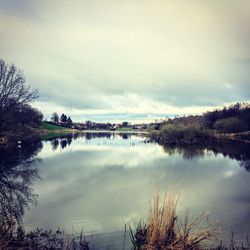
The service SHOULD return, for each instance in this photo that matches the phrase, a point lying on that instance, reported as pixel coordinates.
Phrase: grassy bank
(51, 127)
(178, 134)
(45, 131)
(50, 131)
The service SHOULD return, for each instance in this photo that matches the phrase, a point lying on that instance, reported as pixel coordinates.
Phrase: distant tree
(125, 124)
(89, 124)
(63, 118)
(237, 115)
(209, 118)
(55, 117)
(14, 93)
(69, 122)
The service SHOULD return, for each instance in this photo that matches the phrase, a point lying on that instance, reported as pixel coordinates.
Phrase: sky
(135, 60)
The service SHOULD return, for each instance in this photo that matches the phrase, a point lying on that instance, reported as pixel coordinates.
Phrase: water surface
(99, 182)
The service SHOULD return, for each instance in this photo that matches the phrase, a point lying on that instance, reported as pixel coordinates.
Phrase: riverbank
(43, 131)
(193, 135)
(170, 134)
(50, 131)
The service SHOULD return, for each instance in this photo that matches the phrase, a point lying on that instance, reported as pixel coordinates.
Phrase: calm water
(99, 182)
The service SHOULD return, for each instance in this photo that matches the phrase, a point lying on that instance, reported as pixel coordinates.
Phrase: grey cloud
(243, 61)
(83, 54)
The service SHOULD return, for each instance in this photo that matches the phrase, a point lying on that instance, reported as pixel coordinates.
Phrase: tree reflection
(63, 143)
(125, 136)
(54, 144)
(188, 152)
(18, 169)
(234, 150)
(65, 140)
(90, 136)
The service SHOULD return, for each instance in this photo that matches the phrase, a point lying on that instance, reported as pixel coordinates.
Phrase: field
(48, 126)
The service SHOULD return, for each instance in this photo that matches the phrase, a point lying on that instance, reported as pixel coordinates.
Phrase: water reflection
(189, 152)
(98, 181)
(234, 150)
(18, 170)
(54, 144)
(64, 141)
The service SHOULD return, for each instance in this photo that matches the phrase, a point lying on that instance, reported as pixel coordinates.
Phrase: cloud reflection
(98, 184)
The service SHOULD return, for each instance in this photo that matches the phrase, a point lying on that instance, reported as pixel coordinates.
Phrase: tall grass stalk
(164, 230)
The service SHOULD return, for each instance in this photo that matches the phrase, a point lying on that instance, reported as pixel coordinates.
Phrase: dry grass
(164, 230)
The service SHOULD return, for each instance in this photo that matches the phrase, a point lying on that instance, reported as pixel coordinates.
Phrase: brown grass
(164, 230)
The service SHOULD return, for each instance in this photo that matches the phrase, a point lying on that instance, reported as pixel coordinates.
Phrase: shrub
(179, 134)
(230, 125)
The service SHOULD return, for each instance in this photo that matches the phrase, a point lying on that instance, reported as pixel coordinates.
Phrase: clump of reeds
(164, 230)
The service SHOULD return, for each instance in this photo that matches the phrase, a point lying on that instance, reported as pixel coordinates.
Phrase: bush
(179, 134)
(230, 125)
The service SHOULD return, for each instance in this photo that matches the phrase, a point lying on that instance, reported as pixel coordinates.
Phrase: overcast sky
(129, 60)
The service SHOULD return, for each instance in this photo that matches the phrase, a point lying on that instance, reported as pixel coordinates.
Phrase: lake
(97, 182)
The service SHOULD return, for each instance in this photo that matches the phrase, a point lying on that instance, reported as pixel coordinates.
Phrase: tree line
(62, 120)
(232, 119)
(206, 128)
(235, 118)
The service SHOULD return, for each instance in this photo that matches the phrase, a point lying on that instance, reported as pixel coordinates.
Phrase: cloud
(132, 107)
(95, 55)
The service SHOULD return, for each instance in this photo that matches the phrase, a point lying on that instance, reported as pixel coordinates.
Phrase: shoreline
(43, 133)
(243, 137)
(115, 131)
(213, 138)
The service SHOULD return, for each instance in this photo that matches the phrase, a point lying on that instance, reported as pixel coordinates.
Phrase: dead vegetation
(165, 230)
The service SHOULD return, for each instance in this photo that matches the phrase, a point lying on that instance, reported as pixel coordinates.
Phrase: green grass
(52, 127)
(124, 129)
(50, 131)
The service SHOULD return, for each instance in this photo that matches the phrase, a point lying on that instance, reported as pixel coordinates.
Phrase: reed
(165, 230)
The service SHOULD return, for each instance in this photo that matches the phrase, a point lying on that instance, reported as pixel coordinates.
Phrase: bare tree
(13, 91)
